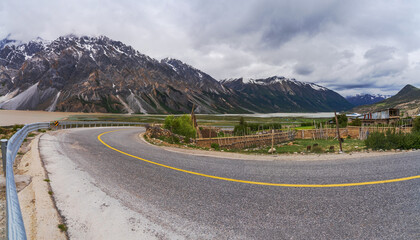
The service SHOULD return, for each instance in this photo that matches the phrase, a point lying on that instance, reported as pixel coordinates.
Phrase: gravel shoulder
(40, 216)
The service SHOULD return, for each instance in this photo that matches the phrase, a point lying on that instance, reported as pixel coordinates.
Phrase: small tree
(342, 120)
(241, 128)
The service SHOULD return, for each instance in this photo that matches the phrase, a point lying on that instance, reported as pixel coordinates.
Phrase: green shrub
(306, 124)
(180, 125)
(62, 227)
(244, 128)
(356, 122)
(215, 146)
(318, 149)
(392, 140)
(375, 140)
(416, 125)
(16, 127)
(173, 139)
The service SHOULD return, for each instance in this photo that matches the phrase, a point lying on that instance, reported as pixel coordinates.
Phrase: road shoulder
(40, 215)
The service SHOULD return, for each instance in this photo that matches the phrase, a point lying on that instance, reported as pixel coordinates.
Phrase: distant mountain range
(407, 100)
(366, 99)
(280, 94)
(97, 74)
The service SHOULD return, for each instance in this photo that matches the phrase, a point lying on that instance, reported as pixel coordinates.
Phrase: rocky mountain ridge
(287, 95)
(366, 99)
(407, 100)
(97, 74)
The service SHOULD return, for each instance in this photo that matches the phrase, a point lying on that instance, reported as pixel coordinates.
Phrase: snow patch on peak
(282, 80)
(317, 87)
(172, 66)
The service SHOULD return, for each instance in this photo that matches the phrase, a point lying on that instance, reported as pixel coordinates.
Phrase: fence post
(3, 154)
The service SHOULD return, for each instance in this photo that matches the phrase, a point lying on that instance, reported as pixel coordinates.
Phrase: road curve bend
(175, 195)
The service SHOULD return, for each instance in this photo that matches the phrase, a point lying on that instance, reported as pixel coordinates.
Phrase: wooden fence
(284, 136)
(353, 132)
(247, 141)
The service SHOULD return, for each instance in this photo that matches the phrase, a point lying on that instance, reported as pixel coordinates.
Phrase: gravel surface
(192, 206)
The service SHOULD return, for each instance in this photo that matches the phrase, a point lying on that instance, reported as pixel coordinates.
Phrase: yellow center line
(257, 183)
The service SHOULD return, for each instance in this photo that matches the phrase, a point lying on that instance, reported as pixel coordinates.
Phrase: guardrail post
(3, 154)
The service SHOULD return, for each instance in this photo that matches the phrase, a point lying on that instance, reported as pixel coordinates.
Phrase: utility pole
(338, 131)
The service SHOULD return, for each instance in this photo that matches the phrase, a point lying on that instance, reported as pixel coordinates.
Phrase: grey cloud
(303, 69)
(380, 53)
(366, 44)
(366, 85)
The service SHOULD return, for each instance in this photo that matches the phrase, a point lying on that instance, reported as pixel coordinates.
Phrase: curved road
(195, 206)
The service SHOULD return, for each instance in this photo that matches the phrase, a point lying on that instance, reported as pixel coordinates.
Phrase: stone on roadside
(272, 150)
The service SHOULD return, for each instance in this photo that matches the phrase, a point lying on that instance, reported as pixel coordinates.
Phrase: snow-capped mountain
(97, 74)
(286, 95)
(366, 99)
(407, 100)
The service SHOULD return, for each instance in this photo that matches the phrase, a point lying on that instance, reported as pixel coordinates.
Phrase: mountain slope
(97, 74)
(366, 99)
(102, 75)
(407, 99)
(286, 95)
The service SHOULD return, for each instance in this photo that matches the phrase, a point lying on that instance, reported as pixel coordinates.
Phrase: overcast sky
(348, 46)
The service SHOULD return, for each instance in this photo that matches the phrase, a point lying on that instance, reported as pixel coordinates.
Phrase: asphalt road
(196, 206)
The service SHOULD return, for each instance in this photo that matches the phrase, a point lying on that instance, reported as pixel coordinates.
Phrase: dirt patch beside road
(38, 209)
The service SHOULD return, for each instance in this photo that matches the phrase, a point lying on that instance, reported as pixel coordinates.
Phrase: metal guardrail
(79, 124)
(15, 229)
